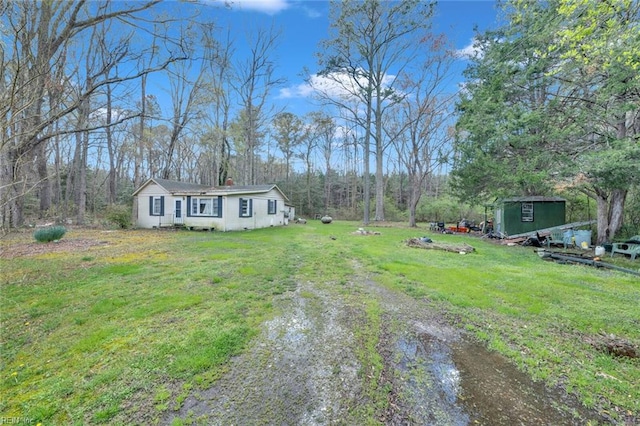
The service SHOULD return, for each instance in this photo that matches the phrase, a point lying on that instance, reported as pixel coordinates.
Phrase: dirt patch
(303, 369)
(300, 370)
(613, 345)
(30, 249)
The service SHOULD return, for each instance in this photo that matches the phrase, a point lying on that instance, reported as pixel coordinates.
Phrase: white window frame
(272, 206)
(204, 206)
(245, 207)
(157, 206)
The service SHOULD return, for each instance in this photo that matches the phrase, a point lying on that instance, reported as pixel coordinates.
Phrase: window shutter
(188, 206)
(150, 206)
(240, 211)
(162, 205)
(250, 207)
(219, 205)
(275, 206)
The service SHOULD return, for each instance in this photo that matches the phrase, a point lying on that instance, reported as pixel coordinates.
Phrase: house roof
(175, 187)
(244, 189)
(534, 198)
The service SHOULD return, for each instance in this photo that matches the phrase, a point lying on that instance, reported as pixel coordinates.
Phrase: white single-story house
(164, 203)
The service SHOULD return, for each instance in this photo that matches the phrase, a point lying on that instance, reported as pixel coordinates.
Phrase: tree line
(550, 104)
(81, 126)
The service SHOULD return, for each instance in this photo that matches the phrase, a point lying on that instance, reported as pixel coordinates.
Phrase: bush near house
(51, 233)
(119, 215)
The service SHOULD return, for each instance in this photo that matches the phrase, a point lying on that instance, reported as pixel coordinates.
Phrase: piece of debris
(571, 258)
(362, 231)
(613, 345)
(453, 248)
(326, 219)
(301, 220)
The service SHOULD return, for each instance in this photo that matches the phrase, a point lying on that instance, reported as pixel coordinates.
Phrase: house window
(156, 206)
(246, 207)
(207, 207)
(273, 206)
(526, 212)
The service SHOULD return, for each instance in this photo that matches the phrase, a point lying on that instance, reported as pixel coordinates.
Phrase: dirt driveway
(304, 369)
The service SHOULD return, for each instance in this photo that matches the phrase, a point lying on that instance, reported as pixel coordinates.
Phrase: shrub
(51, 233)
(119, 215)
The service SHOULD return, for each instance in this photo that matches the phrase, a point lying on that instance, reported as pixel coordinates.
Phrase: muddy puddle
(462, 383)
(441, 377)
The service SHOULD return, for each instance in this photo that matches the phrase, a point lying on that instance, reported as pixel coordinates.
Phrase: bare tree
(43, 33)
(420, 128)
(373, 39)
(220, 74)
(323, 133)
(255, 81)
(186, 94)
(289, 131)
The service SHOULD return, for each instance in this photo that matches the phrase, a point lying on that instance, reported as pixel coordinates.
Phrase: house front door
(178, 213)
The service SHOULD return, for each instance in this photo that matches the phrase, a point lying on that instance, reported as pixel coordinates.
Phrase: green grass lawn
(135, 323)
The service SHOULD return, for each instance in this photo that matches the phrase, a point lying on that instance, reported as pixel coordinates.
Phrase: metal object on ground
(544, 254)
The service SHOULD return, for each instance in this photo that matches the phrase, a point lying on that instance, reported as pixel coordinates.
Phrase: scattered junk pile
(568, 238)
(464, 226)
(547, 241)
(578, 258)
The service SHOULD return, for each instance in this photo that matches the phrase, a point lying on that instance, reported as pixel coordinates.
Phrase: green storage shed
(519, 215)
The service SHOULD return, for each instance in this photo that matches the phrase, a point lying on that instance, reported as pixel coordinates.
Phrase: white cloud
(117, 114)
(337, 85)
(302, 90)
(310, 11)
(270, 7)
(471, 50)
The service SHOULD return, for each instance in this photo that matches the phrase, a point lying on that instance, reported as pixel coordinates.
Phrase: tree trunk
(137, 176)
(415, 194)
(11, 198)
(111, 187)
(225, 148)
(379, 160)
(43, 180)
(610, 214)
(616, 212)
(80, 189)
(367, 173)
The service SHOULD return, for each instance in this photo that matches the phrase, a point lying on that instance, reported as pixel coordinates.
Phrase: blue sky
(304, 23)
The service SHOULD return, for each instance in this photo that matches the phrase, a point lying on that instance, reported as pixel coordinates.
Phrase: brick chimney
(229, 182)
